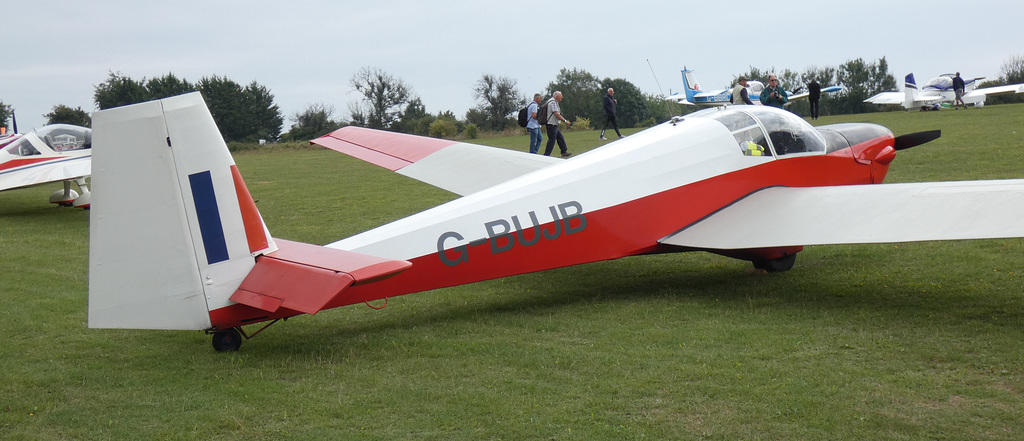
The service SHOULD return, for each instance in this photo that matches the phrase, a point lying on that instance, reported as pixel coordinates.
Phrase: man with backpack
(533, 126)
(554, 118)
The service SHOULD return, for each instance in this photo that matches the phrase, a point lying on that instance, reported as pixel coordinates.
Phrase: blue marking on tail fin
(908, 81)
(209, 217)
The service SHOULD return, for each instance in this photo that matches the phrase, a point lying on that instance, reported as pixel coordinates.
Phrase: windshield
(787, 133)
(21, 147)
(65, 137)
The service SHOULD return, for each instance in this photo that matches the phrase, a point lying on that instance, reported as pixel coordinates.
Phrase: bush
(581, 124)
(444, 128)
(472, 131)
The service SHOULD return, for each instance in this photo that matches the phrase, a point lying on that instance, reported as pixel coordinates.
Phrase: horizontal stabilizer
(458, 167)
(305, 278)
(880, 213)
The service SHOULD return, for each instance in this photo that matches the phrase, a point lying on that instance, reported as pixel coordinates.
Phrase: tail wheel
(784, 263)
(227, 341)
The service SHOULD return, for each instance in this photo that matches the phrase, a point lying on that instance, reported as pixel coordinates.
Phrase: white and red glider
(57, 152)
(754, 183)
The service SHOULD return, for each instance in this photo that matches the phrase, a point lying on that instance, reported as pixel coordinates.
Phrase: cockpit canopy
(57, 137)
(941, 83)
(758, 129)
(64, 137)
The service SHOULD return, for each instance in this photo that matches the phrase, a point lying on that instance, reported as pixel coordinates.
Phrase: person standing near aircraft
(609, 112)
(533, 126)
(554, 118)
(773, 95)
(813, 96)
(958, 89)
(739, 93)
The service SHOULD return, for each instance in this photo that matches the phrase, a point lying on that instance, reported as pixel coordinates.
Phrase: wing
(829, 89)
(887, 98)
(458, 167)
(881, 213)
(996, 90)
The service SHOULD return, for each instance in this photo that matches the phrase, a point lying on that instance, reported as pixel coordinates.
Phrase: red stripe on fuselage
(627, 229)
(15, 163)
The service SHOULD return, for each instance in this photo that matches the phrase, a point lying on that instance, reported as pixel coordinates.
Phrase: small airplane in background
(694, 95)
(939, 90)
(750, 182)
(57, 152)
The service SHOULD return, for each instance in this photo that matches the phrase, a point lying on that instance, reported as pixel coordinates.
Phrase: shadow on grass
(843, 288)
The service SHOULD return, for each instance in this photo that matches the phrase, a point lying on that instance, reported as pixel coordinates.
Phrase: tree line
(248, 113)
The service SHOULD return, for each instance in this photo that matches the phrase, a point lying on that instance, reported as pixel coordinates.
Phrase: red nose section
(885, 155)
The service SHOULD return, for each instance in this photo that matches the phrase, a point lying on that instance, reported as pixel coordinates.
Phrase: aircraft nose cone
(885, 155)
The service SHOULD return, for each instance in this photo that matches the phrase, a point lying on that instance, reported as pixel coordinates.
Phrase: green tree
(5, 113)
(862, 80)
(384, 98)
(581, 91)
(242, 114)
(415, 118)
(317, 120)
(264, 116)
(498, 98)
(120, 90)
(168, 86)
(62, 114)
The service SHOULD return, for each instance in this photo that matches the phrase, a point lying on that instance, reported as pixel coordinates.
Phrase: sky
(307, 51)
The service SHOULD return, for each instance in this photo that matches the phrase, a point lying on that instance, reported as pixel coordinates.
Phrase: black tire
(784, 263)
(227, 341)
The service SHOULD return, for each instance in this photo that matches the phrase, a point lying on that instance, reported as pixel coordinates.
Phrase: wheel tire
(784, 263)
(227, 341)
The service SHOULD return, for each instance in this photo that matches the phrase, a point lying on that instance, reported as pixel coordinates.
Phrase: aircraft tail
(173, 229)
(176, 241)
(690, 84)
(910, 91)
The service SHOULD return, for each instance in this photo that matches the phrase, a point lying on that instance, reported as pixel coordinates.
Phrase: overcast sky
(306, 51)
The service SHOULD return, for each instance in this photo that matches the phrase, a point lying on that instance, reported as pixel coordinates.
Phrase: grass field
(910, 341)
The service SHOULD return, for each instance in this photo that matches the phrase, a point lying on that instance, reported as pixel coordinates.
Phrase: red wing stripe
(374, 157)
(380, 147)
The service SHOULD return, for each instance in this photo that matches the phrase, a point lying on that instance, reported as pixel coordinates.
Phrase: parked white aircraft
(940, 90)
(57, 152)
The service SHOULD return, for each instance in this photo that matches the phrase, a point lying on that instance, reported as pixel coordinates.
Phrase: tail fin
(690, 84)
(910, 91)
(173, 229)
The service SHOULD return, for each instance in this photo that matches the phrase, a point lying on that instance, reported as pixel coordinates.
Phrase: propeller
(909, 140)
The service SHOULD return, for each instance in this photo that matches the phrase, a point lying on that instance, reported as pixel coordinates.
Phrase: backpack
(524, 115)
(542, 112)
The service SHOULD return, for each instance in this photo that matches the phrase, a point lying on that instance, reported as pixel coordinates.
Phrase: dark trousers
(555, 135)
(615, 125)
(814, 109)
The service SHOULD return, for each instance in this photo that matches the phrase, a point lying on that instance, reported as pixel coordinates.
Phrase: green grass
(890, 341)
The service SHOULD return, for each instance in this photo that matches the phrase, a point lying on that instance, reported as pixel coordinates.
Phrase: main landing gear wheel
(784, 263)
(227, 341)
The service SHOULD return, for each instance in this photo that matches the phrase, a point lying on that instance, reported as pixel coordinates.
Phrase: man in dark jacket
(609, 112)
(814, 95)
(958, 90)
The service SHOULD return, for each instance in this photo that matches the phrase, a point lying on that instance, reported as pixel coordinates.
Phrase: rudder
(173, 230)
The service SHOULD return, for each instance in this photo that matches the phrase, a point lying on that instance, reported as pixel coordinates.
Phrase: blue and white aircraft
(940, 90)
(694, 95)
